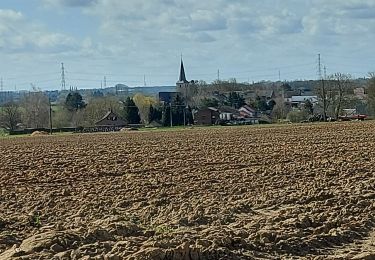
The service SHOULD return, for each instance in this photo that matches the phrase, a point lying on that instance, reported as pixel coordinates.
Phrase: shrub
(297, 116)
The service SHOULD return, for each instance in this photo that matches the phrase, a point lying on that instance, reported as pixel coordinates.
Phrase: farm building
(206, 116)
(247, 111)
(296, 101)
(111, 119)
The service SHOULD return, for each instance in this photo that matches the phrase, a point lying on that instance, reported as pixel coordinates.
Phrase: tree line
(34, 110)
(334, 93)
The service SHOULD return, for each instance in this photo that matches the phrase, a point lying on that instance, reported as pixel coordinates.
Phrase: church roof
(182, 78)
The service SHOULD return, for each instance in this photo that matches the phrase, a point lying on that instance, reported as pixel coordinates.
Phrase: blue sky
(125, 40)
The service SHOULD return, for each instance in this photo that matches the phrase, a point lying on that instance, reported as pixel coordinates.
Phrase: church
(186, 89)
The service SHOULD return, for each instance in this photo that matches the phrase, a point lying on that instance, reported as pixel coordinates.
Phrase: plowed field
(298, 191)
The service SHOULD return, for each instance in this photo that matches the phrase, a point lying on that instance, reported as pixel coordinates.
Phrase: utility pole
(1, 84)
(323, 90)
(50, 116)
(184, 116)
(144, 80)
(62, 77)
(170, 114)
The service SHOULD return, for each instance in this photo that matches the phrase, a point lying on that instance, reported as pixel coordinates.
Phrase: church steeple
(182, 78)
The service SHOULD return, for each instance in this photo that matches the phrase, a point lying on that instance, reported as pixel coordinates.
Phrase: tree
(166, 115)
(74, 101)
(154, 113)
(62, 117)
(286, 87)
(189, 115)
(260, 104)
(297, 116)
(270, 104)
(321, 90)
(236, 100)
(35, 107)
(210, 102)
(144, 103)
(10, 115)
(280, 109)
(309, 107)
(97, 107)
(131, 112)
(178, 110)
(371, 94)
(339, 85)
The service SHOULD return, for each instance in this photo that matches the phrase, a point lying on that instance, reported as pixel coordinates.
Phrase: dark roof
(265, 93)
(290, 93)
(228, 109)
(182, 77)
(110, 119)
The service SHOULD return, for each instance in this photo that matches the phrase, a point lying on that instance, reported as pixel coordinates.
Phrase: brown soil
(300, 191)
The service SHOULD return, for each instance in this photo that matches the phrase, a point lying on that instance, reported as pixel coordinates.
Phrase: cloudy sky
(126, 39)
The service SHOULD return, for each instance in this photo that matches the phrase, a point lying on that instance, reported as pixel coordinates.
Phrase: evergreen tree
(154, 113)
(189, 116)
(271, 104)
(165, 119)
(178, 107)
(131, 112)
(74, 101)
(236, 100)
(260, 104)
(210, 102)
(151, 114)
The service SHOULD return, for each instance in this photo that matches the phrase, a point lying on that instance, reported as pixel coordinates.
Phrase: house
(206, 116)
(296, 101)
(247, 112)
(111, 119)
(265, 94)
(360, 93)
(228, 113)
(290, 93)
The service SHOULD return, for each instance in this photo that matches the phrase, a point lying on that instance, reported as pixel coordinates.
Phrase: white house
(298, 100)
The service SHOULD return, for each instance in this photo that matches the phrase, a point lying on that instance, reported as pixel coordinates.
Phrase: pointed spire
(182, 78)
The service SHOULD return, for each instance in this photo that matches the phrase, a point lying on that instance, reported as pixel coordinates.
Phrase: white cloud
(18, 34)
(205, 20)
(340, 18)
(136, 36)
(70, 3)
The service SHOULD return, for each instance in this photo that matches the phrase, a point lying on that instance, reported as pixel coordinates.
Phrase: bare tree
(340, 85)
(371, 93)
(10, 115)
(99, 106)
(322, 93)
(280, 110)
(35, 109)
